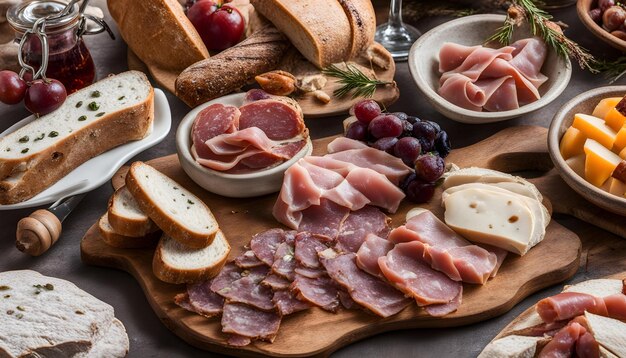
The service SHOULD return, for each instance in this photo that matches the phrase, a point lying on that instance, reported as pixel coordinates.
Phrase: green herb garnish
(53, 134)
(41, 136)
(24, 151)
(353, 80)
(24, 139)
(82, 118)
(7, 296)
(4, 288)
(121, 98)
(79, 312)
(94, 106)
(19, 316)
(95, 94)
(20, 308)
(100, 114)
(80, 103)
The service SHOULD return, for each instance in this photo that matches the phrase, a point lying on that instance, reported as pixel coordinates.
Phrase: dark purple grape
(429, 167)
(442, 144)
(357, 131)
(407, 129)
(424, 130)
(436, 125)
(596, 15)
(605, 4)
(366, 110)
(404, 184)
(427, 145)
(44, 97)
(408, 149)
(401, 115)
(385, 125)
(386, 144)
(419, 191)
(412, 119)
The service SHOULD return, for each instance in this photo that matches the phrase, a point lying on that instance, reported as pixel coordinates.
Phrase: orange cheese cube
(599, 163)
(622, 154)
(572, 143)
(605, 106)
(614, 119)
(617, 187)
(620, 140)
(577, 164)
(595, 128)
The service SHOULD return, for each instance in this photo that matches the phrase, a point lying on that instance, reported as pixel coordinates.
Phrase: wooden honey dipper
(41, 229)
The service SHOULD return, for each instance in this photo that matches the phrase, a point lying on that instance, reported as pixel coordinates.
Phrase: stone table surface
(150, 338)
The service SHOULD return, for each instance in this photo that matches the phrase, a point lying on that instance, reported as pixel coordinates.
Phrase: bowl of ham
(240, 145)
(470, 83)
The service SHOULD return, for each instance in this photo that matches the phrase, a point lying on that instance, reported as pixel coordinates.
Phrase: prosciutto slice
(377, 160)
(247, 321)
(567, 305)
(340, 144)
(212, 121)
(368, 291)
(479, 78)
(564, 342)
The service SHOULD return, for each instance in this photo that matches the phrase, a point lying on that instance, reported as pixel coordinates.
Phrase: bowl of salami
(240, 145)
(474, 83)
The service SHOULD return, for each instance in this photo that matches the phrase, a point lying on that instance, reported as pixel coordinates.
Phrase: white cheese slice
(482, 175)
(609, 333)
(494, 218)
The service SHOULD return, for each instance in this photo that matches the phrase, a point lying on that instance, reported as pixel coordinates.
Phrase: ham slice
(358, 225)
(248, 260)
(564, 342)
(307, 247)
(444, 309)
(406, 269)
(248, 289)
(567, 305)
(340, 144)
(377, 160)
(284, 261)
(247, 321)
(368, 291)
(319, 291)
(370, 251)
(324, 219)
(264, 244)
(204, 301)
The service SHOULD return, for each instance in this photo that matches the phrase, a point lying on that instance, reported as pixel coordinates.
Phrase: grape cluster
(611, 16)
(419, 143)
(40, 96)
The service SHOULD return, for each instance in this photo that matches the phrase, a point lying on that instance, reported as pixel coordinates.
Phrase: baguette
(114, 239)
(159, 32)
(126, 218)
(176, 210)
(39, 154)
(232, 68)
(176, 263)
(320, 30)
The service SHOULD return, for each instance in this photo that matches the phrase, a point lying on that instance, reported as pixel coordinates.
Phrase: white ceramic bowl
(231, 185)
(583, 103)
(471, 31)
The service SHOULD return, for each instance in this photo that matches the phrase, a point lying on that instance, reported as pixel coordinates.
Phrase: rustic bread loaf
(232, 68)
(320, 30)
(112, 238)
(126, 218)
(111, 112)
(362, 19)
(174, 262)
(50, 317)
(176, 210)
(159, 32)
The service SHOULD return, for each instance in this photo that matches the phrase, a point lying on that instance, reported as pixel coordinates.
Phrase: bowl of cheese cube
(587, 144)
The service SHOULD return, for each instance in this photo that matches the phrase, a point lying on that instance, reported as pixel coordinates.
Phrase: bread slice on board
(176, 210)
(320, 29)
(111, 343)
(112, 238)
(50, 317)
(362, 19)
(125, 216)
(174, 262)
(111, 112)
(159, 32)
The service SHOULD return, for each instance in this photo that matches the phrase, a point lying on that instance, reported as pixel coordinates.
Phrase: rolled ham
(567, 305)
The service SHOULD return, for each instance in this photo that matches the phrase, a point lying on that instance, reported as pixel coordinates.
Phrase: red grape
(224, 28)
(366, 110)
(613, 18)
(596, 15)
(12, 87)
(407, 128)
(419, 191)
(408, 149)
(605, 4)
(424, 130)
(386, 144)
(357, 131)
(385, 125)
(199, 13)
(42, 98)
(429, 167)
(404, 184)
(442, 144)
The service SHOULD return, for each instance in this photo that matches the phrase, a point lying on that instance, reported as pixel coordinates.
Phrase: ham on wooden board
(260, 134)
(480, 78)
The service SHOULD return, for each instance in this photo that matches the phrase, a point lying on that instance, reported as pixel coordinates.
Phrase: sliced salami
(278, 119)
(250, 322)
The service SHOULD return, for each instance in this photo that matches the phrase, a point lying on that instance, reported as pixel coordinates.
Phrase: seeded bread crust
(114, 239)
(127, 226)
(170, 274)
(46, 167)
(139, 187)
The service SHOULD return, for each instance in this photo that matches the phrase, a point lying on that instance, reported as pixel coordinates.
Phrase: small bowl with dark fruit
(606, 19)
(472, 82)
(421, 144)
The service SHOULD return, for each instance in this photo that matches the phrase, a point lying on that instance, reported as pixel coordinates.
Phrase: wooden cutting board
(554, 260)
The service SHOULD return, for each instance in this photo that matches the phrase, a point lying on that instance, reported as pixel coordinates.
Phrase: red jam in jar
(69, 60)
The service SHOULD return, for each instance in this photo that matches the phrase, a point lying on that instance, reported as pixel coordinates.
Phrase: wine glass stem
(395, 13)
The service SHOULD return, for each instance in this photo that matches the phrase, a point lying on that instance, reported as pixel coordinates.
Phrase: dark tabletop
(150, 338)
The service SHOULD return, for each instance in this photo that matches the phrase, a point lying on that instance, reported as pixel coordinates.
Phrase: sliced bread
(174, 262)
(608, 332)
(111, 112)
(125, 216)
(112, 238)
(109, 344)
(176, 210)
(362, 19)
(50, 317)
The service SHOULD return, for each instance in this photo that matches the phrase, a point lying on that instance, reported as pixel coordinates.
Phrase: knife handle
(37, 232)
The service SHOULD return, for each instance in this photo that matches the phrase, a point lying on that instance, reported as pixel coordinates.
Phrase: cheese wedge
(595, 128)
(572, 143)
(620, 140)
(622, 154)
(482, 175)
(577, 164)
(608, 332)
(487, 217)
(605, 106)
(599, 163)
(617, 187)
(614, 119)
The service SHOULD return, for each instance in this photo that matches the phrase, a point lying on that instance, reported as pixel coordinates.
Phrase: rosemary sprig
(613, 70)
(353, 80)
(541, 24)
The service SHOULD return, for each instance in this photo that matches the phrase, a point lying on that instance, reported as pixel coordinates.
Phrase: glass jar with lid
(63, 25)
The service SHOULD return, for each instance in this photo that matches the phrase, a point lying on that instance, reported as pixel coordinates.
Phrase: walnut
(378, 56)
(279, 83)
(321, 96)
(312, 83)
